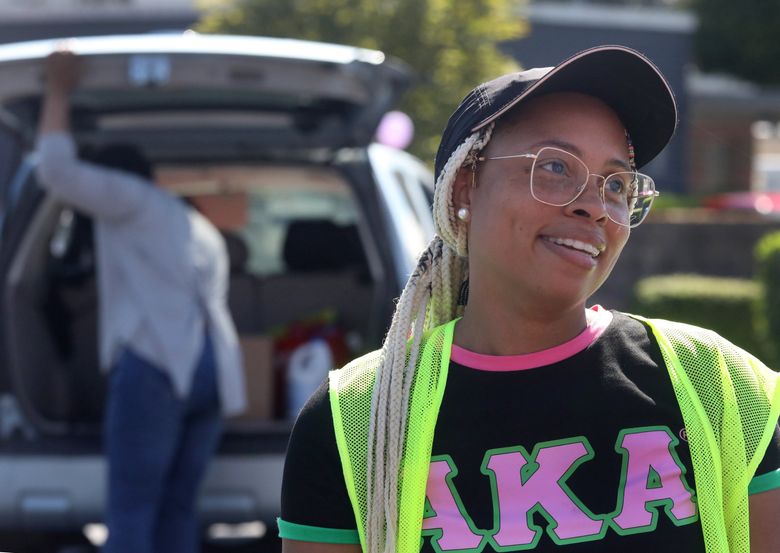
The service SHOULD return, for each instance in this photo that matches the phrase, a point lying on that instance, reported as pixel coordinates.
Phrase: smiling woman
(503, 413)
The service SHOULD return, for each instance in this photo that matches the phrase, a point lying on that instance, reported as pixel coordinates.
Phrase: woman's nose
(590, 203)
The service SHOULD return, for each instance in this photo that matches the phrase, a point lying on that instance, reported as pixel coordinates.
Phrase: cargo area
(305, 291)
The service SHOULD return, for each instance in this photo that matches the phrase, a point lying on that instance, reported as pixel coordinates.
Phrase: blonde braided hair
(429, 299)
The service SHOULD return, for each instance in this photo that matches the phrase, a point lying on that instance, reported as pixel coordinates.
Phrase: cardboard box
(258, 369)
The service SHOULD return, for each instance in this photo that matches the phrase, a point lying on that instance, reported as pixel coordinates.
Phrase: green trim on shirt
(301, 532)
(765, 482)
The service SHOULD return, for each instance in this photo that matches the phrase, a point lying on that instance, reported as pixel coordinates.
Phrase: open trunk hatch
(276, 92)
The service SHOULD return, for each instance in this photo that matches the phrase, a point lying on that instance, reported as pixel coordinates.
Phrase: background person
(533, 422)
(165, 331)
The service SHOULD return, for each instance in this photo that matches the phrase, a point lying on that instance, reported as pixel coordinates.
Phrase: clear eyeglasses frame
(559, 177)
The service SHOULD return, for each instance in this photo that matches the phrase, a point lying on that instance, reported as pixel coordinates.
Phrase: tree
(451, 45)
(740, 38)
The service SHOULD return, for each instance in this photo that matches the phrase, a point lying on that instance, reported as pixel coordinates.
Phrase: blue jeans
(158, 447)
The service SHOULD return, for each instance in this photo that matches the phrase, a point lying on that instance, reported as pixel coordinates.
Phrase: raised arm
(63, 72)
(96, 190)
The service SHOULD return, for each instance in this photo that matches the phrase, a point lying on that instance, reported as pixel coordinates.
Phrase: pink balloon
(395, 130)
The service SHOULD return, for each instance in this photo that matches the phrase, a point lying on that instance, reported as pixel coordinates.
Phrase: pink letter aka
(544, 487)
(644, 451)
(456, 533)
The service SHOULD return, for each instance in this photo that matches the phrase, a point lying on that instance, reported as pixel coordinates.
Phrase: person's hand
(62, 74)
(63, 70)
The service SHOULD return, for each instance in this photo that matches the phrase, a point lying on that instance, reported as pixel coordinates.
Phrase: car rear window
(262, 206)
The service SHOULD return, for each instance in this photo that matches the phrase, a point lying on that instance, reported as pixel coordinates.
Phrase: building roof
(626, 17)
(729, 96)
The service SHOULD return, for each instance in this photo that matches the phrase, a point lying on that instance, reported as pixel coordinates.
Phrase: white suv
(272, 139)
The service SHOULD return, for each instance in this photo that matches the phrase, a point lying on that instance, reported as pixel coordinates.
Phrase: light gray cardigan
(162, 270)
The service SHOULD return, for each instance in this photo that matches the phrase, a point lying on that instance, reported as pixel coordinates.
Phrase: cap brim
(626, 81)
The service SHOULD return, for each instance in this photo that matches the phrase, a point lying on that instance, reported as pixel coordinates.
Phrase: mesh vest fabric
(350, 398)
(729, 401)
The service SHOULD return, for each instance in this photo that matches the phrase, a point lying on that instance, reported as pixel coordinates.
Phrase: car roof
(284, 92)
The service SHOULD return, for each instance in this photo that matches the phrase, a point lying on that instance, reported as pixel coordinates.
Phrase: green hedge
(767, 254)
(725, 305)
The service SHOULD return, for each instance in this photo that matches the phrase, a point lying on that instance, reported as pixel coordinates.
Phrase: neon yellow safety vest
(729, 401)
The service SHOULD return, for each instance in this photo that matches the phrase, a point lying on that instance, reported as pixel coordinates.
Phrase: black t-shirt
(589, 452)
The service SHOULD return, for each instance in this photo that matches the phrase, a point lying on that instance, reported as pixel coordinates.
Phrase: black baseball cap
(624, 79)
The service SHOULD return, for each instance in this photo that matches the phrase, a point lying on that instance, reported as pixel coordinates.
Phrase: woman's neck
(506, 329)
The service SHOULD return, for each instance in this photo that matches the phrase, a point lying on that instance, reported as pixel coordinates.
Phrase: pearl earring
(464, 214)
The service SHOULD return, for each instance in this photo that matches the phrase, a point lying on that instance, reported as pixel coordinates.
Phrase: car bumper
(63, 493)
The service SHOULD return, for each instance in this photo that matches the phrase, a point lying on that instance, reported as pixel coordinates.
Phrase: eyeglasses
(559, 177)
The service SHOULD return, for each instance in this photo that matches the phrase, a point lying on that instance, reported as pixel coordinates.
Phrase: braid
(389, 401)
(429, 299)
(453, 233)
(631, 154)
